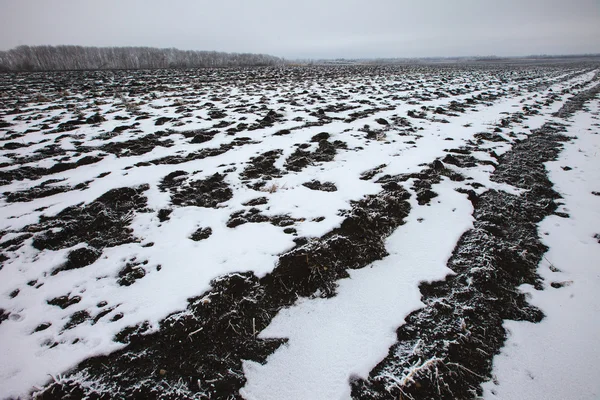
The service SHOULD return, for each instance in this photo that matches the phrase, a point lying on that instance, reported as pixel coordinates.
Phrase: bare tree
(61, 58)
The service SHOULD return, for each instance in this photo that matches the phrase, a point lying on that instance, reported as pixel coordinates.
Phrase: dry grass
(271, 188)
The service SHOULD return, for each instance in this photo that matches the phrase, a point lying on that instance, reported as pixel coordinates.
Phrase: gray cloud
(311, 28)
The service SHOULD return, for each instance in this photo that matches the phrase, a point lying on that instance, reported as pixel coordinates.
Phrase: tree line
(63, 58)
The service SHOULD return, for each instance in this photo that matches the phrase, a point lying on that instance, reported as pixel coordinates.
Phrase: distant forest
(62, 58)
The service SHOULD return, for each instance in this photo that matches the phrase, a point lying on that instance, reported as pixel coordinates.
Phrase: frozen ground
(557, 357)
(266, 233)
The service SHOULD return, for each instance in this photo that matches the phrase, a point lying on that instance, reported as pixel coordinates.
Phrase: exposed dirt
(200, 136)
(209, 192)
(196, 155)
(79, 258)
(365, 176)
(136, 147)
(256, 202)
(15, 243)
(262, 166)
(32, 173)
(3, 315)
(254, 215)
(131, 273)
(445, 349)
(576, 102)
(423, 180)
(365, 113)
(64, 301)
(325, 152)
(198, 353)
(323, 186)
(45, 189)
(102, 223)
(201, 234)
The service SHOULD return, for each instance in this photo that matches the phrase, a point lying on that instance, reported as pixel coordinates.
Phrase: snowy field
(313, 233)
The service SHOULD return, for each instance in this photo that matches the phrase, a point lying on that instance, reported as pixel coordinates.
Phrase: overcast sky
(311, 28)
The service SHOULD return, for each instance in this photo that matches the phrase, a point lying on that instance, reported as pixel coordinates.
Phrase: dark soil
(131, 273)
(200, 136)
(43, 326)
(162, 120)
(424, 180)
(198, 352)
(365, 176)
(201, 234)
(79, 258)
(366, 113)
(209, 192)
(465, 161)
(576, 102)
(489, 136)
(136, 147)
(15, 243)
(36, 192)
(3, 315)
(267, 121)
(64, 301)
(319, 136)
(254, 215)
(32, 173)
(78, 317)
(164, 214)
(325, 152)
(197, 155)
(460, 328)
(256, 202)
(323, 186)
(102, 223)
(262, 166)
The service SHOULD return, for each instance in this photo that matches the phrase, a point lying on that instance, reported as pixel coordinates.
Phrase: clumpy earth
(93, 169)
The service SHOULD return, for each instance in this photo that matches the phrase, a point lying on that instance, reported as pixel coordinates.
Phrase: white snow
(329, 340)
(332, 340)
(558, 357)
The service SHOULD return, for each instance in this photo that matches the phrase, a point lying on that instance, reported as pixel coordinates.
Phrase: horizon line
(334, 58)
